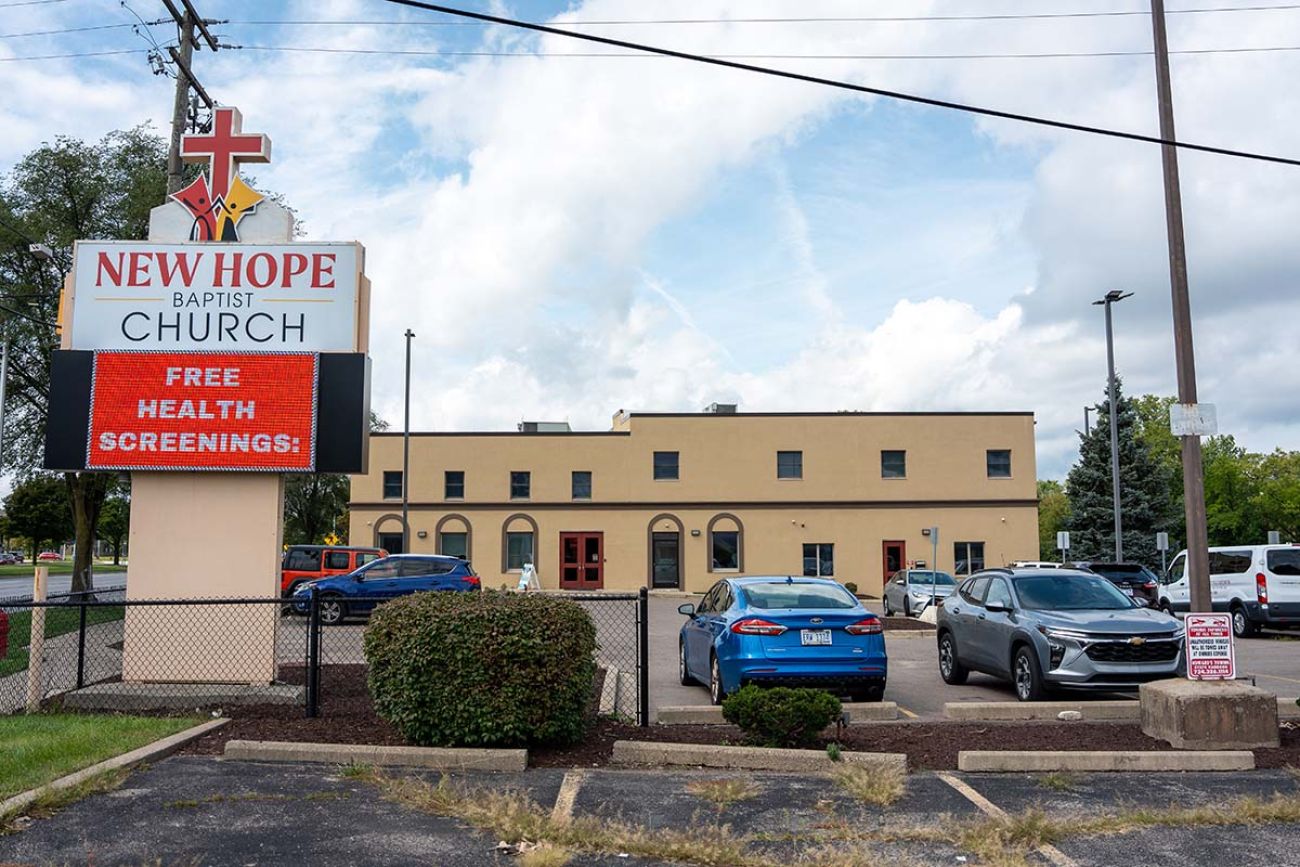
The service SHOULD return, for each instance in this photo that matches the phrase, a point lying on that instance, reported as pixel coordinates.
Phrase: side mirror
(996, 606)
(686, 610)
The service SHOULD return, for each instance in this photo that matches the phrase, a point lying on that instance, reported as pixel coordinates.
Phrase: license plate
(814, 636)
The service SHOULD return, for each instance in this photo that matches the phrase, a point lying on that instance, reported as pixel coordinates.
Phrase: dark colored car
(1133, 579)
(378, 581)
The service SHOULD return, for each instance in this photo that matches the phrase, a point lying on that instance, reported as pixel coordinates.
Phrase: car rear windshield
(940, 579)
(1283, 562)
(1070, 593)
(797, 596)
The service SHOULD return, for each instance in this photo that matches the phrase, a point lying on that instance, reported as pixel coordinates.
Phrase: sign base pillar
(203, 536)
(1209, 714)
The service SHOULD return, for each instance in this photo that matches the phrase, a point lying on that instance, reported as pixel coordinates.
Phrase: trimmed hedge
(780, 716)
(482, 669)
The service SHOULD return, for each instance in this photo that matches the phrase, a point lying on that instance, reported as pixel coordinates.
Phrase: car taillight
(471, 579)
(869, 626)
(1150, 585)
(1261, 588)
(755, 626)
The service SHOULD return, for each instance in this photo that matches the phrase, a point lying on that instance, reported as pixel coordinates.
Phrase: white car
(1259, 585)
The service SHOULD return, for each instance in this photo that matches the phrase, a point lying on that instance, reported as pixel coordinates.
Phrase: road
(21, 585)
(1273, 659)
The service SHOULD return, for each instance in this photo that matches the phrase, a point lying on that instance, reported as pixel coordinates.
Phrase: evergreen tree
(1144, 492)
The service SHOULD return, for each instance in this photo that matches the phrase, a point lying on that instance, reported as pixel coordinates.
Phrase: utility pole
(406, 449)
(1111, 297)
(1198, 551)
(187, 21)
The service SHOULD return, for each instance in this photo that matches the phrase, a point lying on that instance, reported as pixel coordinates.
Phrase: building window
(789, 465)
(666, 465)
(521, 483)
(818, 559)
(726, 550)
(999, 463)
(893, 464)
(968, 557)
(519, 550)
(454, 545)
(582, 484)
(392, 484)
(453, 485)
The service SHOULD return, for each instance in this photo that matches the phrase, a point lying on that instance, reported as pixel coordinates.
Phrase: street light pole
(1198, 551)
(1111, 297)
(406, 450)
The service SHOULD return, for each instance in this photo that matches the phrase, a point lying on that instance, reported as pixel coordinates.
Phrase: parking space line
(567, 796)
(1274, 677)
(1051, 853)
(907, 713)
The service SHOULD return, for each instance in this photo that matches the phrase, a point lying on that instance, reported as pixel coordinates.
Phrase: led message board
(202, 411)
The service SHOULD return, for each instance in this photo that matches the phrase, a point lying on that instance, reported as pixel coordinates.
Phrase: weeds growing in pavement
(356, 771)
(723, 793)
(545, 857)
(1058, 782)
(833, 752)
(879, 787)
(51, 801)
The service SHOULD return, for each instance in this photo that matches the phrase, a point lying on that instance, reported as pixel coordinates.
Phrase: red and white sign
(1210, 654)
(203, 411)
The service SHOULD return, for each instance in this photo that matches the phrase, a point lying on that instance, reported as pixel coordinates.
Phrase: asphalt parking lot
(195, 810)
(1273, 659)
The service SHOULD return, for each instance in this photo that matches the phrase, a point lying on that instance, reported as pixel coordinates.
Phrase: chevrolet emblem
(1137, 642)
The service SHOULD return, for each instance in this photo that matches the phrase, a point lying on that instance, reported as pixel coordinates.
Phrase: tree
(55, 195)
(38, 509)
(115, 523)
(1144, 491)
(1152, 413)
(317, 503)
(1053, 510)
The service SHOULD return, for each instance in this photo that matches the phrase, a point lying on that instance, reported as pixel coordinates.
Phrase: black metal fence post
(81, 645)
(313, 655)
(643, 656)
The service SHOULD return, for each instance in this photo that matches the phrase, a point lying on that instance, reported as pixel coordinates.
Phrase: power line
(77, 54)
(1037, 120)
(643, 55)
(30, 3)
(67, 30)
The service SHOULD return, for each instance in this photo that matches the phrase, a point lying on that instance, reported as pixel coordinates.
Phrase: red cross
(224, 147)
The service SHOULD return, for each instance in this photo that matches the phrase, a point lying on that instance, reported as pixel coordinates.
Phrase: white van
(1258, 584)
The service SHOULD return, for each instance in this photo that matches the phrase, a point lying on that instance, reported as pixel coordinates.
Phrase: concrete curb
(711, 715)
(159, 749)
(746, 758)
(435, 758)
(1287, 708)
(1119, 760)
(1118, 711)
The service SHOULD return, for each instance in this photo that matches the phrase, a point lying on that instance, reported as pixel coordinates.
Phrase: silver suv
(1046, 628)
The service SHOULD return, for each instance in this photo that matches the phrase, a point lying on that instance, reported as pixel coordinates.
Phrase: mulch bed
(905, 624)
(347, 717)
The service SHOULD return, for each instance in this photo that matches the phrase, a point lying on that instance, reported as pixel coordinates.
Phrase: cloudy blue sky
(573, 235)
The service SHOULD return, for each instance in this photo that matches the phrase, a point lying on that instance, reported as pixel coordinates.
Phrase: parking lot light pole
(1111, 297)
(406, 450)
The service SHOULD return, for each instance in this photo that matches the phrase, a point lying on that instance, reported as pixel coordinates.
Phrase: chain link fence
(101, 650)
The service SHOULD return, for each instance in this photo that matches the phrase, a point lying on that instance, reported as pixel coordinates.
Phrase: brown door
(895, 557)
(582, 561)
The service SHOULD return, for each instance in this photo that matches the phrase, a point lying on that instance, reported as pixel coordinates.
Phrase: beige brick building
(675, 500)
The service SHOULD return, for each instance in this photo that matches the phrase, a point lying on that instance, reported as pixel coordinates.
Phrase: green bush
(851, 587)
(781, 717)
(482, 669)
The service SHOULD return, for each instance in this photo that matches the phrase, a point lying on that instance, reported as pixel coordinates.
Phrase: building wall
(727, 466)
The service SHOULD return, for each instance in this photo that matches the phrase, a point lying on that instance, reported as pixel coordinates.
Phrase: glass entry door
(582, 561)
(666, 560)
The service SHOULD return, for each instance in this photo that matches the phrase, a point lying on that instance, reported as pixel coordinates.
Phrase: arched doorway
(665, 547)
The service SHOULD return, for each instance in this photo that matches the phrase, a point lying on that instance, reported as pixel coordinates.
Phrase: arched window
(389, 535)
(519, 542)
(726, 548)
(664, 547)
(454, 536)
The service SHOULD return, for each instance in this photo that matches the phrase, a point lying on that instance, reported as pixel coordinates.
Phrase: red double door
(582, 561)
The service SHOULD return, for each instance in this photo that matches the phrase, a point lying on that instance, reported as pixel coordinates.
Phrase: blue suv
(387, 578)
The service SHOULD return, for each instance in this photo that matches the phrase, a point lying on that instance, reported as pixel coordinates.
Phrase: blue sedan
(383, 579)
(782, 631)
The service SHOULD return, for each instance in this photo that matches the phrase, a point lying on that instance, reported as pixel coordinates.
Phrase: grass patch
(42, 747)
(58, 621)
(357, 771)
(1059, 782)
(723, 793)
(56, 567)
(877, 787)
(544, 857)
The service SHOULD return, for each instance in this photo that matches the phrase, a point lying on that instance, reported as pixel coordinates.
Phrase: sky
(572, 235)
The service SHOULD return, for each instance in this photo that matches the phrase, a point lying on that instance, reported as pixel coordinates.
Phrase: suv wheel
(1027, 675)
(332, 610)
(950, 667)
(1242, 627)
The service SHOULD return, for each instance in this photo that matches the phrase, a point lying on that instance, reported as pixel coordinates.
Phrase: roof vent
(721, 409)
(544, 427)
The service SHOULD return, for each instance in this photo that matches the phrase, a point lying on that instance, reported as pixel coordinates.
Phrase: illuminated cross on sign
(224, 147)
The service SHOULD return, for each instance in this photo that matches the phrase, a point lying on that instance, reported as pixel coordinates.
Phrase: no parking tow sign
(1210, 653)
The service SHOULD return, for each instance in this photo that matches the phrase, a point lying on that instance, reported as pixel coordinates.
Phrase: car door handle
(983, 617)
